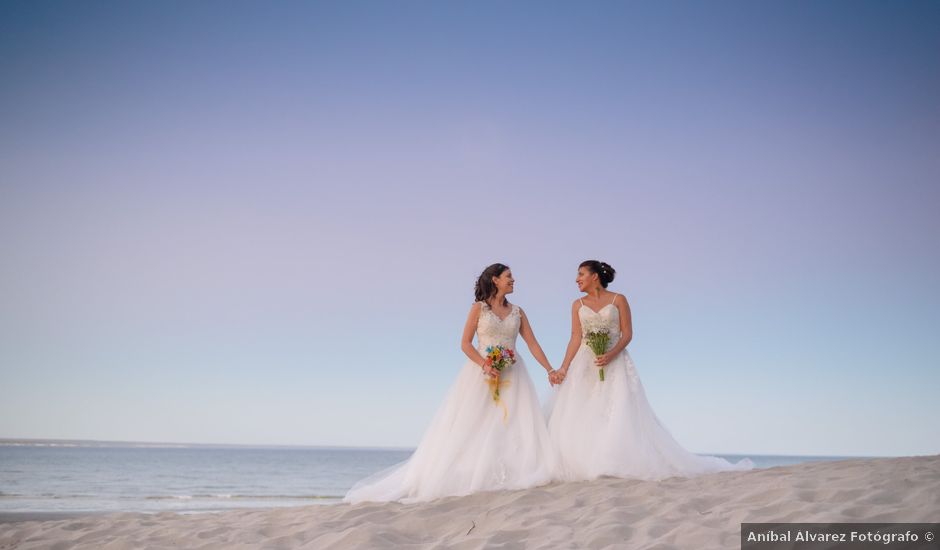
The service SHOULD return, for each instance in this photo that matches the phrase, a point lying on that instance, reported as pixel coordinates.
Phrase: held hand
(553, 377)
(488, 368)
(604, 359)
(559, 377)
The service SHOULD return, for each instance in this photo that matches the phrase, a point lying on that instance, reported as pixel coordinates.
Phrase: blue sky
(236, 222)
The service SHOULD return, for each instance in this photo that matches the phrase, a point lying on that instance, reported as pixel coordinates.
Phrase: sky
(260, 223)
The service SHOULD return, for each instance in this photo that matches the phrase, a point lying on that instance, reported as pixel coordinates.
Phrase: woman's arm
(466, 342)
(626, 331)
(575, 342)
(525, 330)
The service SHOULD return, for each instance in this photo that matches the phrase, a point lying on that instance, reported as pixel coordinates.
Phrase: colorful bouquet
(599, 341)
(500, 358)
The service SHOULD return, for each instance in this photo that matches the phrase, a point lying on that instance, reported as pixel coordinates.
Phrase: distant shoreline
(73, 443)
(24, 442)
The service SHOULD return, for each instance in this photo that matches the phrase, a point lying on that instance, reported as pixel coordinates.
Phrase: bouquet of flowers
(599, 341)
(500, 357)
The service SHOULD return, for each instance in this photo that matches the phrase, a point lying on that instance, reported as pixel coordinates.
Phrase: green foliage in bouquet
(599, 342)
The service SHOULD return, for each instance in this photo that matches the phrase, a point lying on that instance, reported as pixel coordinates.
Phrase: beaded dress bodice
(493, 331)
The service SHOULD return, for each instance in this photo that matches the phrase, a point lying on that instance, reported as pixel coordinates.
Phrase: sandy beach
(702, 512)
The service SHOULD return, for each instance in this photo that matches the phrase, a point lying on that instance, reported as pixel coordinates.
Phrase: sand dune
(697, 513)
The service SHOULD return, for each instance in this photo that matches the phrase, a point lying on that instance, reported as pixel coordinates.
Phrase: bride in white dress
(607, 427)
(478, 441)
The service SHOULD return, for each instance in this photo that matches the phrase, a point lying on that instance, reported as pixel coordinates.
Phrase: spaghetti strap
(582, 301)
(615, 298)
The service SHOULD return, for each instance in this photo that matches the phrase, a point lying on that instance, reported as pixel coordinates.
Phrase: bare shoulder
(576, 303)
(475, 308)
(620, 299)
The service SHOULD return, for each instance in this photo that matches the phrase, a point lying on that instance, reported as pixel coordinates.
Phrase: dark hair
(604, 271)
(485, 289)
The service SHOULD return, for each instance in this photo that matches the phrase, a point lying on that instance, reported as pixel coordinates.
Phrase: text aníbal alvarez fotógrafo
(806, 535)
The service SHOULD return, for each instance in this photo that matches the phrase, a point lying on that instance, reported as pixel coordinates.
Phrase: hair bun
(603, 270)
(607, 274)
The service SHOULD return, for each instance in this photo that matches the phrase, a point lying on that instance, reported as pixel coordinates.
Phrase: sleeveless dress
(474, 443)
(608, 427)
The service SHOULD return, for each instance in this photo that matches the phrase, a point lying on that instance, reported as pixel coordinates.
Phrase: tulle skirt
(608, 427)
(473, 443)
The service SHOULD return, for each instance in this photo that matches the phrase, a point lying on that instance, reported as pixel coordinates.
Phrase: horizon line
(28, 441)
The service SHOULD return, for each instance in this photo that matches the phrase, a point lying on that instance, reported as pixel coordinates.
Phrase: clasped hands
(556, 377)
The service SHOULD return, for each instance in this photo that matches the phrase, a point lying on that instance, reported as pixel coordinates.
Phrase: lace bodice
(608, 317)
(493, 331)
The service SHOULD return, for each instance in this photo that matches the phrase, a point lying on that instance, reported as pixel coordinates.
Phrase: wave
(46, 496)
(243, 497)
(96, 445)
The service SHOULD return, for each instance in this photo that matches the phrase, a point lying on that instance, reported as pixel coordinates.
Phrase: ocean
(75, 477)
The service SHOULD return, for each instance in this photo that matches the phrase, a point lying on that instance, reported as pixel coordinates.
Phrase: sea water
(101, 477)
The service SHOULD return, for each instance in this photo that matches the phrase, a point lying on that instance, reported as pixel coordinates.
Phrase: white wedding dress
(608, 427)
(474, 443)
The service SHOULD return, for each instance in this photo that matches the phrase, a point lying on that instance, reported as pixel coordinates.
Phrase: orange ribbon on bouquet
(499, 357)
(496, 382)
